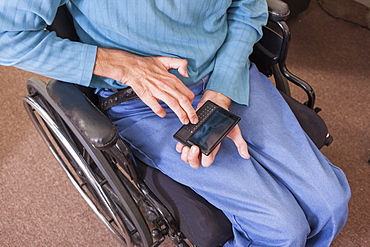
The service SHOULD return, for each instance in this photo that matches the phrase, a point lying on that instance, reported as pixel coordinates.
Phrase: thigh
(277, 142)
(244, 190)
(286, 172)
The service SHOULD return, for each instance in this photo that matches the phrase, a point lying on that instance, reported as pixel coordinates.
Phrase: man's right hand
(150, 79)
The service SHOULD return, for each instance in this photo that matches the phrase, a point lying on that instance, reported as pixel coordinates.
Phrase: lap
(286, 172)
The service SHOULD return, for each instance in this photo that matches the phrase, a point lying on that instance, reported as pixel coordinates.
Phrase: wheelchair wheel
(90, 170)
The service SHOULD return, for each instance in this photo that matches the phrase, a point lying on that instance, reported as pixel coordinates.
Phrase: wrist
(111, 63)
(100, 60)
(216, 97)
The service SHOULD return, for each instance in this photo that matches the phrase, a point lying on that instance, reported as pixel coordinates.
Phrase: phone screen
(214, 124)
(211, 131)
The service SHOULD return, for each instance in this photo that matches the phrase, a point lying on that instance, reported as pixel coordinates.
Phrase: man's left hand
(193, 156)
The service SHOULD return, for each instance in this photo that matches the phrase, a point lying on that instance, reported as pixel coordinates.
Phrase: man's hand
(150, 79)
(193, 155)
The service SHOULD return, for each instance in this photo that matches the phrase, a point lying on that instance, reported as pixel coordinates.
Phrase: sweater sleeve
(26, 44)
(231, 73)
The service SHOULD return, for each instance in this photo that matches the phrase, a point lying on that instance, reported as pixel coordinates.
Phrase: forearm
(43, 53)
(26, 44)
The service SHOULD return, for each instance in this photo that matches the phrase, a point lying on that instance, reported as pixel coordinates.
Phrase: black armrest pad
(84, 115)
(278, 10)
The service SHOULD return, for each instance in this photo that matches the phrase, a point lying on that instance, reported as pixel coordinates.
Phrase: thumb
(236, 136)
(175, 63)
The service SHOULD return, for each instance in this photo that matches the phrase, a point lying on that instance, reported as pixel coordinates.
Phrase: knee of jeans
(336, 207)
(291, 230)
(284, 228)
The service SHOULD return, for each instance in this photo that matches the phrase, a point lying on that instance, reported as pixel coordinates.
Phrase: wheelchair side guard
(94, 125)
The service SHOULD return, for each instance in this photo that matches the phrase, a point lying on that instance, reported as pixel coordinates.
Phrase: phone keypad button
(205, 112)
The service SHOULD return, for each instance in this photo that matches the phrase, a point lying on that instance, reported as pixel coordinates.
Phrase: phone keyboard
(203, 114)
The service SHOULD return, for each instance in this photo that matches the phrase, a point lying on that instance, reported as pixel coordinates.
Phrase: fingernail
(185, 121)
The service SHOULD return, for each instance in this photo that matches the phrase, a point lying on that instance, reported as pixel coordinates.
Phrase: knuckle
(194, 163)
(172, 102)
(161, 84)
(146, 94)
(191, 95)
(183, 158)
(194, 115)
(182, 61)
(183, 99)
(182, 116)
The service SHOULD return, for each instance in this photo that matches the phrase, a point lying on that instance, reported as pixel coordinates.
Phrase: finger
(200, 104)
(179, 103)
(154, 91)
(178, 109)
(175, 63)
(179, 147)
(185, 154)
(160, 85)
(184, 110)
(236, 136)
(182, 96)
(207, 161)
(187, 107)
(194, 157)
(148, 98)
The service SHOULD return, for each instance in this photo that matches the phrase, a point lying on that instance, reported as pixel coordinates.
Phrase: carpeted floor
(39, 206)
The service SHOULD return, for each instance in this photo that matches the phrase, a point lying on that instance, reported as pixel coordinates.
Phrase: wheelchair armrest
(83, 114)
(278, 10)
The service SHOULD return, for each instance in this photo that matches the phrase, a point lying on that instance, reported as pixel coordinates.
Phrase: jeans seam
(243, 230)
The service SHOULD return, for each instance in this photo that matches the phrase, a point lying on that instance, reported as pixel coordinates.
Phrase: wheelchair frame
(113, 186)
(100, 165)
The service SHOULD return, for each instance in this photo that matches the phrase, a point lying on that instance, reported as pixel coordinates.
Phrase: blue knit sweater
(213, 35)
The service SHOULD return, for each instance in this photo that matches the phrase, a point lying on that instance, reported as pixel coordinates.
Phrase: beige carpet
(39, 206)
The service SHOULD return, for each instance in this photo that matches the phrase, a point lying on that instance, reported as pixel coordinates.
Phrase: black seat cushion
(203, 224)
(310, 121)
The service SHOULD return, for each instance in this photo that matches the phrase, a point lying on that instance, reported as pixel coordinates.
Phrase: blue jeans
(286, 194)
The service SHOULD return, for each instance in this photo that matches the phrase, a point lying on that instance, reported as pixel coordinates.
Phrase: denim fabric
(286, 194)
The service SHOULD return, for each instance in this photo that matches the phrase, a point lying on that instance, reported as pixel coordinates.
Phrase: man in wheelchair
(268, 177)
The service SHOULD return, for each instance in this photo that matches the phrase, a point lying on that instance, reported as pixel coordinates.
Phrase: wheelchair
(138, 204)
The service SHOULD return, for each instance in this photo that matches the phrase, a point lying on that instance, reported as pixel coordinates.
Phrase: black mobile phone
(214, 124)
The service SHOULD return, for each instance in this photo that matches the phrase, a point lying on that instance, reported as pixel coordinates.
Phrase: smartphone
(214, 124)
